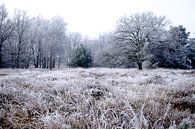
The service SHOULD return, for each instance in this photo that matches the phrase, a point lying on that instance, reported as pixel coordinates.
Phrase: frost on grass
(97, 98)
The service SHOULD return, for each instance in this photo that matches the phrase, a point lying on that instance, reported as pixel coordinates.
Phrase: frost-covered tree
(19, 42)
(105, 57)
(48, 42)
(177, 54)
(75, 41)
(37, 38)
(135, 32)
(106, 54)
(6, 29)
(103, 51)
(191, 50)
(56, 41)
(172, 52)
(82, 57)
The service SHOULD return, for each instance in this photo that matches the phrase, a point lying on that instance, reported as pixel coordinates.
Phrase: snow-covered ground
(96, 98)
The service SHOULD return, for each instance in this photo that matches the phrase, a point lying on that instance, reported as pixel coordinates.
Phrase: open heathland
(97, 98)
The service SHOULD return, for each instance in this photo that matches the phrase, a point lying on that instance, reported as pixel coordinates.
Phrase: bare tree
(56, 41)
(135, 32)
(37, 38)
(6, 28)
(21, 22)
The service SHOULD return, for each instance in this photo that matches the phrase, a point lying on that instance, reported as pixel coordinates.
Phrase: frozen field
(97, 98)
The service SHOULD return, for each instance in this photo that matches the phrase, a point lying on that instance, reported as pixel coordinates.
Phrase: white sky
(93, 17)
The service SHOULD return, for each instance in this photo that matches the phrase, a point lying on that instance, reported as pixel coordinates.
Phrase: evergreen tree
(82, 57)
(172, 52)
(191, 49)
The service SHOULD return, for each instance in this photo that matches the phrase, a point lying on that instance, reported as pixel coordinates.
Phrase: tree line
(45, 43)
(26, 42)
(143, 38)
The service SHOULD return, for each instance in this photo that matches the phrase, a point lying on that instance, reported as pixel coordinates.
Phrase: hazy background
(93, 17)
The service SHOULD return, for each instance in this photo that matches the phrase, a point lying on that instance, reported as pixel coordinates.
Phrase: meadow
(97, 98)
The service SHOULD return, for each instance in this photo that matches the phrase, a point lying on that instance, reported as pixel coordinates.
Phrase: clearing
(96, 98)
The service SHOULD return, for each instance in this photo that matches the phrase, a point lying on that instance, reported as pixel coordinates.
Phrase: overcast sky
(93, 17)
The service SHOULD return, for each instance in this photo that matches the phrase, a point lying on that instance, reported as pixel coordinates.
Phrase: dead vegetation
(97, 98)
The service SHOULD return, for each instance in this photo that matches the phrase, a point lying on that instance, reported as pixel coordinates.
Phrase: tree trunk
(12, 59)
(18, 61)
(51, 61)
(59, 61)
(37, 62)
(1, 55)
(19, 52)
(140, 66)
(44, 63)
(47, 62)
